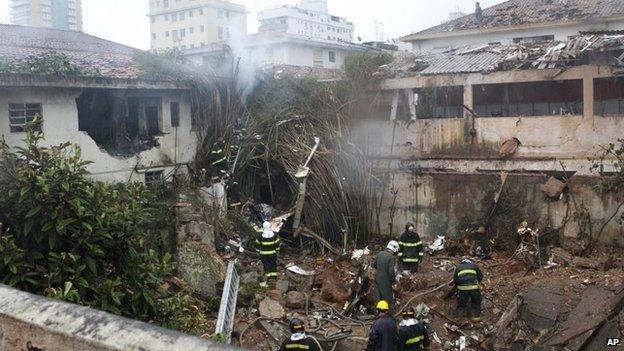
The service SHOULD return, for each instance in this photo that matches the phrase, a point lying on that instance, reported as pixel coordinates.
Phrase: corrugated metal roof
(518, 12)
(469, 63)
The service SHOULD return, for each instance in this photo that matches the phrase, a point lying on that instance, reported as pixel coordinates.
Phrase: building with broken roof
(516, 21)
(451, 127)
(97, 94)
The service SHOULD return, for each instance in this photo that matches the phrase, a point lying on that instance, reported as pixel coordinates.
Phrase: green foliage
(613, 155)
(49, 63)
(163, 65)
(179, 312)
(75, 239)
(361, 67)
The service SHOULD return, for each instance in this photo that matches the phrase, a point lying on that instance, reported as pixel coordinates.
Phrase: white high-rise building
(310, 18)
(59, 14)
(189, 24)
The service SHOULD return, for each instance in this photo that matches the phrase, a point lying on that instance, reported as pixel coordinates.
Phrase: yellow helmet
(383, 305)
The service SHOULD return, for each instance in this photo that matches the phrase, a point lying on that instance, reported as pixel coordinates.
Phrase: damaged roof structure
(577, 51)
(105, 97)
(521, 21)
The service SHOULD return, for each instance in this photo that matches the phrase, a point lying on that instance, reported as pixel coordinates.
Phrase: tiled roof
(518, 12)
(111, 60)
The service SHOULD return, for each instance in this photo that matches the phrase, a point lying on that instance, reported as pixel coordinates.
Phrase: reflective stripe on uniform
(415, 340)
(267, 253)
(217, 151)
(219, 161)
(410, 260)
(467, 271)
(271, 274)
(267, 243)
(297, 346)
(467, 287)
(410, 244)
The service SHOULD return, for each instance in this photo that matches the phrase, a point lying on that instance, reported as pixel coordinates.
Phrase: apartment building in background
(301, 35)
(59, 14)
(311, 19)
(189, 24)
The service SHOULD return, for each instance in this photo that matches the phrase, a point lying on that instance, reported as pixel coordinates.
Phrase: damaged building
(94, 93)
(455, 129)
(516, 21)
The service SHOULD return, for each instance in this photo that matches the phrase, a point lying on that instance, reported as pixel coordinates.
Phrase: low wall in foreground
(31, 322)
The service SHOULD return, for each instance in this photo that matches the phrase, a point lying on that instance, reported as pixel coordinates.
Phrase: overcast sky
(125, 21)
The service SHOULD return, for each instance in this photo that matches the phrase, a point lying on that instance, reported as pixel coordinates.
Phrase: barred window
(22, 114)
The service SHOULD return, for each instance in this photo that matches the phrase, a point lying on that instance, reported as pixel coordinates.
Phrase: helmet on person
(409, 227)
(383, 305)
(393, 246)
(408, 312)
(267, 231)
(296, 325)
(465, 259)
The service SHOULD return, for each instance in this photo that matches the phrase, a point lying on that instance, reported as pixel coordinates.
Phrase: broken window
(548, 98)
(609, 97)
(22, 114)
(424, 103)
(440, 102)
(121, 124)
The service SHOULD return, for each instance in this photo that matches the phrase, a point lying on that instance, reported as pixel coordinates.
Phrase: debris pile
(501, 57)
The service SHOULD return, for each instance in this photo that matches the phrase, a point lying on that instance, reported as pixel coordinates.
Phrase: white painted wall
(560, 33)
(306, 22)
(293, 54)
(60, 124)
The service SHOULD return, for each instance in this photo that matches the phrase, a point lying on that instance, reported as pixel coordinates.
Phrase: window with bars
(22, 114)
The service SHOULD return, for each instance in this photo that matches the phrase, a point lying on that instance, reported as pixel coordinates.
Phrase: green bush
(67, 236)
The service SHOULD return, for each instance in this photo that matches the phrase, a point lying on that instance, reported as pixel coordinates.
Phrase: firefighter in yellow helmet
(383, 334)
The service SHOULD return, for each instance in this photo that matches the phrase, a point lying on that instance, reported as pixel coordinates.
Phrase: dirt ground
(548, 297)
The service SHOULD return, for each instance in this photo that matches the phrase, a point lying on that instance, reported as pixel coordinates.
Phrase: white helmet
(267, 232)
(393, 246)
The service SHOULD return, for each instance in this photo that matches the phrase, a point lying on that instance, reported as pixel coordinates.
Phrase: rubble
(501, 57)
(271, 309)
(295, 300)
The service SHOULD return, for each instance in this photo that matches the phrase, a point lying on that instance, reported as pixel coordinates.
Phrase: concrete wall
(442, 171)
(60, 124)
(52, 325)
(447, 204)
(505, 37)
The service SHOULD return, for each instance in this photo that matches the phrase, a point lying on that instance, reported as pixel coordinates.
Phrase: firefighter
(383, 335)
(218, 162)
(268, 246)
(467, 279)
(385, 274)
(411, 249)
(298, 339)
(412, 332)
